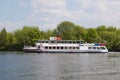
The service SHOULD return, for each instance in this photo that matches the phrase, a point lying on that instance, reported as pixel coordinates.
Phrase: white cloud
(52, 12)
(101, 11)
(48, 10)
(88, 13)
(48, 13)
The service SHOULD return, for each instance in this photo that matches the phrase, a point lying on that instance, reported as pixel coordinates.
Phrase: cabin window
(38, 46)
(74, 41)
(70, 47)
(61, 47)
(63, 42)
(46, 47)
(42, 41)
(67, 41)
(46, 41)
(77, 47)
(89, 47)
(73, 47)
(98, 48)
(54, 47)
(58, 41)
(94, 47)
(70, 41)
(78, 42)
(58, 47)
(65, 47)
(50, 47)
(102, 48)
(52, 42)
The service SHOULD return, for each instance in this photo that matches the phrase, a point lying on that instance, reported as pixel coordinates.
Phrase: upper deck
(61, 41)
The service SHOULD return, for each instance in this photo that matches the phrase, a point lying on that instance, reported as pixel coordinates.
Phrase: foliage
(91, 35)
(65, 30)
(3, 39)
(79, 33)
(28, 35)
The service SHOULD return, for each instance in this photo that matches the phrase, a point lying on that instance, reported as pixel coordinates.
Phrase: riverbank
(67, 30)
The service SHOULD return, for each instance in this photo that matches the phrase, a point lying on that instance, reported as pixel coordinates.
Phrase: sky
(47, 14)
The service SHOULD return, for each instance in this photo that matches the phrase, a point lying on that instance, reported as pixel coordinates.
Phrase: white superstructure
(66, 46)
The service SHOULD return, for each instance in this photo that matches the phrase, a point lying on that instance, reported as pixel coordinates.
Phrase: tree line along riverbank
(28, 35)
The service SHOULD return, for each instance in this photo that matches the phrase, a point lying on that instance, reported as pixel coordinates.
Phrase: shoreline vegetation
(28, 35)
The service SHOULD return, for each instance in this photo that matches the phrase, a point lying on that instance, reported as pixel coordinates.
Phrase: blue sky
(47, 14)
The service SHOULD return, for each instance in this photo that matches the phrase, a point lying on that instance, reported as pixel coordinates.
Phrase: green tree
(11, 41)
(116, 44)
(111, 28)
(19, 39)
(30, 35)
(101, 28)
(48, 34)
(79, 32)
(92, 35)
(3, 37)
(27, 36)
(65, 29)
(109, 37)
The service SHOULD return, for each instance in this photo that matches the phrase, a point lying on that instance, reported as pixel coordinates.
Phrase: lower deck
(70, 49)
(66, 48)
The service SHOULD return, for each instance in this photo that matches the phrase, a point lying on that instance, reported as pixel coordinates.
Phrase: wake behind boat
(57, 45)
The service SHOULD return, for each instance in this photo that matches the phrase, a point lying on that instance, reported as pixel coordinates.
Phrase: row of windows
(60, 41)
(98, 48)
(60, 47)
(67, 47)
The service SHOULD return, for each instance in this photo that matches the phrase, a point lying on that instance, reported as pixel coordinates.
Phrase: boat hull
(59, 51)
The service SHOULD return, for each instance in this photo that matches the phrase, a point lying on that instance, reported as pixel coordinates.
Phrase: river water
(34, 66)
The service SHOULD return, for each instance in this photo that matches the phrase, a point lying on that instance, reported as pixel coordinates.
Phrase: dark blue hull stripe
(41, 51)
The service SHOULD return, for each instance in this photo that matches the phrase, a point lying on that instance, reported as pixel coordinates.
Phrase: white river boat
(65, 46)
